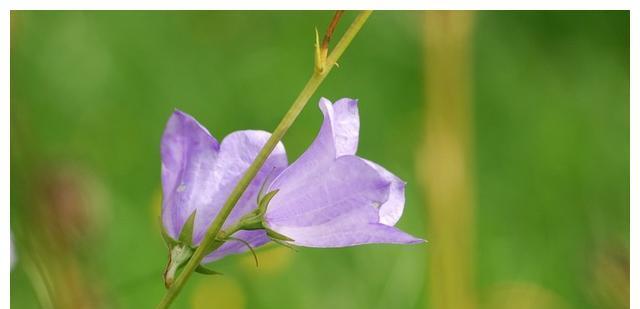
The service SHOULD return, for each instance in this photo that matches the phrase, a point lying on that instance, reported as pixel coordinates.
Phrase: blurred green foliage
(91, 91)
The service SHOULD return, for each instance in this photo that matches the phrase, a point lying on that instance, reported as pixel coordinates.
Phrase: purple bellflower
(198, 175)
(330, 197)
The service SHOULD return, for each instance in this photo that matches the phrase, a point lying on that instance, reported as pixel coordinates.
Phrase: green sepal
(206, 271)
(179, 255)
(284, 244)
(248, 245)
(213, 246)
(259, 196)
(264, 202)
(186, 235)
(165, 236)
(250, 226)
(277, 236)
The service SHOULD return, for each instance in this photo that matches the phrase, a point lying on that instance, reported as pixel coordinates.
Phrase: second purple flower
(330, 197)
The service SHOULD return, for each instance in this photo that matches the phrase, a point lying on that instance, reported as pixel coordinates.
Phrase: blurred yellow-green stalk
(511, 129)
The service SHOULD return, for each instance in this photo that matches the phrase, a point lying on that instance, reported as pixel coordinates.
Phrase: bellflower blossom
(198, 174)
(330, 197)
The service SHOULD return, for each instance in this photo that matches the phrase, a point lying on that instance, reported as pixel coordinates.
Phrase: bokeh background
(538, 103)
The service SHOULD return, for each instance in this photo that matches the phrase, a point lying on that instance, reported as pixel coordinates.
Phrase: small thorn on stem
(320, 60)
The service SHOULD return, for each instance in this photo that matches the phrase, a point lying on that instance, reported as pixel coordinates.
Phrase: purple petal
(343, 234)
(347, 184)
(335, 208)
(346, 124)
(338, 136)
(237, 152)
(255, 238)
(189, 154)
(391, 211)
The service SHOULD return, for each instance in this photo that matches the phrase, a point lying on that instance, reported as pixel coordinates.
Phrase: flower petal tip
(413, 240)
(349, 102)
(419, 241)
(178, 112)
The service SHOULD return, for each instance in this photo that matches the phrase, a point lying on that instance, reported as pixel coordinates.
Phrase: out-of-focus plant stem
(445, 160)
(211, 237)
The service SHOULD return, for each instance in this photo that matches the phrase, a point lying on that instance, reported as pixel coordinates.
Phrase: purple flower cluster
(329, 197)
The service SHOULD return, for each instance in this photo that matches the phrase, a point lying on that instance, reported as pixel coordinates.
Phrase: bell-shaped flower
(330, 197)
(198, 174)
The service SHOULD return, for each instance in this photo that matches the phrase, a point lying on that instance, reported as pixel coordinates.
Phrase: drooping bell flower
(198, 174)
(329, 197)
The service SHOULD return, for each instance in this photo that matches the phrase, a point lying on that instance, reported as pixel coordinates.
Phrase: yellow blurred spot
(524, 295)
(218, 292)
(272, 259)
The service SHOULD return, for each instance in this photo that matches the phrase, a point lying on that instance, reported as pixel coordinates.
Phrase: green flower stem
(312, 85)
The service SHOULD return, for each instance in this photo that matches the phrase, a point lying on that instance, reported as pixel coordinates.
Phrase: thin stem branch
(286, 122)
(332, 27)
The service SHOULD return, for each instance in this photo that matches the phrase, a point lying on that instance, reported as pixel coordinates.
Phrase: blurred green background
(91, 92)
